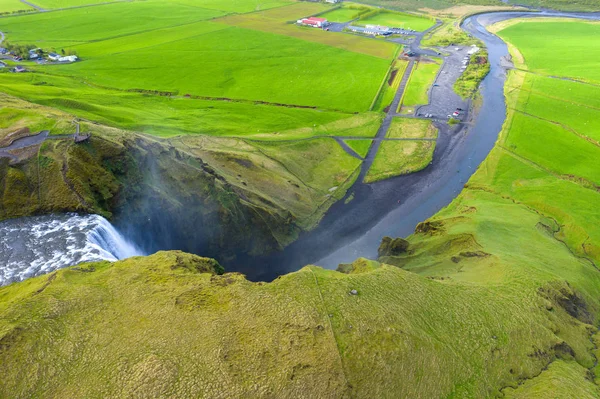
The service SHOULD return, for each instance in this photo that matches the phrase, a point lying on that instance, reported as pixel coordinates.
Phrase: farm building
(19, 68)
(378, 28)
(333, 1)
(68, 58)
(313, 21)
(33, 54)
(370, 31)
(53, 57)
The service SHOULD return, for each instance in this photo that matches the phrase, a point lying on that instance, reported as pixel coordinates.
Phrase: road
(40, 9)
(23, 143)
(32, 140)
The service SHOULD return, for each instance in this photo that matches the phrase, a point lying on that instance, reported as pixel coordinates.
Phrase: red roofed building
(313, 21)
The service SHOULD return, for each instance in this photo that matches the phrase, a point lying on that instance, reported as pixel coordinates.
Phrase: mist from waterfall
(36, 245)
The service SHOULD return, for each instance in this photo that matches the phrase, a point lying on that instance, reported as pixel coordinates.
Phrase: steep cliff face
(162, 197)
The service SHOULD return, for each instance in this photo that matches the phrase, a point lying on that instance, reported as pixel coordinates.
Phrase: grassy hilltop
(495, 296)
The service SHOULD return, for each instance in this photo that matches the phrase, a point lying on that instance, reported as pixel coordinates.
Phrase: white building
(68, 58)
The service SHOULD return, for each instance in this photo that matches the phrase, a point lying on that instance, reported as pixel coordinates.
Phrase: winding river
(32, 246)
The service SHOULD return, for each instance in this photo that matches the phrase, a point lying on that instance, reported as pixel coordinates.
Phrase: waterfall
(31, 246)
(111, 242)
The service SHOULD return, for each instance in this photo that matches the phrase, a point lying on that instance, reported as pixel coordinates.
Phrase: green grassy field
(396, 158)
(406, 128)
(421, 79)
(387, 93)
(237, 6)
(287, 71)
(56, 4)
(10, 6)
(345, 13)
(360, 146)
(576, 53)
(281, 21)
(398, 20)
(81, 25)
(127, 68)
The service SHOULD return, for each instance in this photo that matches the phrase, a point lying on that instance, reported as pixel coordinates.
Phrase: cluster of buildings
(313, 21)
(379, 30)
(34, 54)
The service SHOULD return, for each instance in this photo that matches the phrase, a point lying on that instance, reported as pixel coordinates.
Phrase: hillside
(256, 196)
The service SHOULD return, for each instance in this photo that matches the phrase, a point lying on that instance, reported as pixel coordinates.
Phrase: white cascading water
(110, 241)
(36, 245)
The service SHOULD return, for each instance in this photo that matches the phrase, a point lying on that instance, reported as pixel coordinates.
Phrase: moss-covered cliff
(215, 196)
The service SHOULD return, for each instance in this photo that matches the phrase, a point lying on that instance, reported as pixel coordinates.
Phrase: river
(32, 246)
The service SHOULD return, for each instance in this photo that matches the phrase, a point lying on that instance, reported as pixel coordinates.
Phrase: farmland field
(237, 6)
(575, 52)
(406, 128)
(360, 146)
(280, 20)
(547, 155)
(9, 6)
(345, 81)
(420, 81)
(396, 158)
(390, 87)
(344, 13)
(399, 20)
(221, 78)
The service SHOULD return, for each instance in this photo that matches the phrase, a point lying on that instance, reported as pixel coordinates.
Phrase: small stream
(36, 245)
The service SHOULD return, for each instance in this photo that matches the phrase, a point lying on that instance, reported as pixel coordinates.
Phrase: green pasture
(57, 4)
(81, 25)
(564, 152)
(421, 79)
(344, 13)
(398, 20)
(407, 128)
(9, 6)
(397, 157)
(390, 87)
(585, 95)
(235, 6)
(361, 147)
(282, 21)
(565, 48)
(234, 63)
(547, 155)
(180, 54)
(171, 116)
